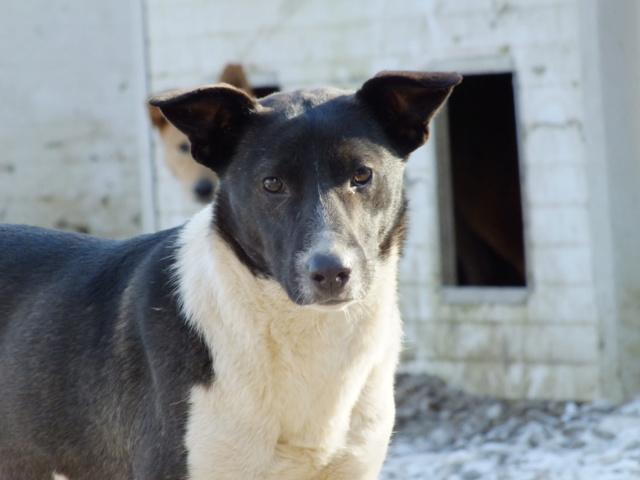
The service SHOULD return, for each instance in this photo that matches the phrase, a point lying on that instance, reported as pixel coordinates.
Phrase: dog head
(310, 182)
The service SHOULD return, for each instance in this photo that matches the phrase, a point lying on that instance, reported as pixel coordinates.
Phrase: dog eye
(361, 177)
(273, 185)
(184, 147)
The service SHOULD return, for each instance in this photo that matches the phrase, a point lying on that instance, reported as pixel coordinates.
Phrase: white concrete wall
(546, 345)
(611, 72)
(75, 153)
(72, 126)
(548, 342)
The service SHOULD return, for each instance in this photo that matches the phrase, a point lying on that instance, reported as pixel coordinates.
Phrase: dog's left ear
(404, 103)
(214, 118)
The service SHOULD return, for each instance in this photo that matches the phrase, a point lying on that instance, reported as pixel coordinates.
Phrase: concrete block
(417, 302)
(482, 311)
(559, 225)
(556, 184)
(553, 145)
(548, 67)
(562, 382)
(472, 342)
(420, 264)
(560, 344)
(557, 303)
(422, 226)
(561, 265)
(518, 380)
(506, 380)
(551, 106)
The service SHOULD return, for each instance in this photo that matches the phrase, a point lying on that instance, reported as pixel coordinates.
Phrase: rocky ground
(443, 433)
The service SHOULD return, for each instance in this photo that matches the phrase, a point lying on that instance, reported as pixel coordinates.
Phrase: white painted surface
(73, 89)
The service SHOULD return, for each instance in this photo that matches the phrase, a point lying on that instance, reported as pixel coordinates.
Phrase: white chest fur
(298, 393)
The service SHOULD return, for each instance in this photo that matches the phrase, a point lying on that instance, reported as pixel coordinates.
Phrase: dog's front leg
(370, 430)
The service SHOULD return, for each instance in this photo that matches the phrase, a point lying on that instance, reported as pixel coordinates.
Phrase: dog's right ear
(213, 117)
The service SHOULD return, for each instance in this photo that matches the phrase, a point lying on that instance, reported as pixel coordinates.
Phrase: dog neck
(284, 374)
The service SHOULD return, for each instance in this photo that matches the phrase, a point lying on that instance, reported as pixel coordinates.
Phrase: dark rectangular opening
(479, 182)
(263, 91)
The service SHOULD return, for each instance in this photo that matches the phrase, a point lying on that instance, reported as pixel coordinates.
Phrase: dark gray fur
(95, 359)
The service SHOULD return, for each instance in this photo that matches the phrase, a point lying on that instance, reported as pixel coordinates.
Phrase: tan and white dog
(198, 181)
(256, 342)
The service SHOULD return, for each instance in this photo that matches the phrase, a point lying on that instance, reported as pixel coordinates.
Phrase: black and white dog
(259, 340)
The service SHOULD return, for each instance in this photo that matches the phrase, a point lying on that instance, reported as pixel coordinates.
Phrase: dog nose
(328, 273)
(203, 189)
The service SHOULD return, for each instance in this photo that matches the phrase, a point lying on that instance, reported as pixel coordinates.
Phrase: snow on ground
(443, 433)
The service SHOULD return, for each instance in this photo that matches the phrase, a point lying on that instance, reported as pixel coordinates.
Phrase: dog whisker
(317, 321)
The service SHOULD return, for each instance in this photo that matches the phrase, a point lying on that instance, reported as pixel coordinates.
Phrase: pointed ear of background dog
(404, 103)
(234, 75)
(213, 117)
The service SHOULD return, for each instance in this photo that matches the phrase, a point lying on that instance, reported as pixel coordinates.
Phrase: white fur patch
(298, 393)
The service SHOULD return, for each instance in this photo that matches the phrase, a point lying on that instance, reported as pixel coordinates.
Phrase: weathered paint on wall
(72, 85)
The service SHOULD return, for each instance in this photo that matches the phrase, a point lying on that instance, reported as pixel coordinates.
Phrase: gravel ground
(443, 433)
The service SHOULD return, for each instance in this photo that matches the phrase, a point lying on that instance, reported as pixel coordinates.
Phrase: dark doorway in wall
(263, 91)
(479, 182)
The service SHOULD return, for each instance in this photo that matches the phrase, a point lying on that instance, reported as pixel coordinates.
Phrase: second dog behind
(198, 181)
